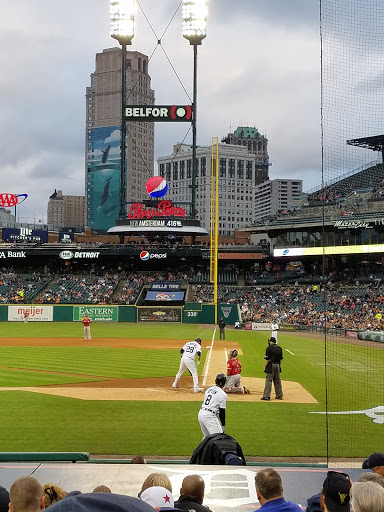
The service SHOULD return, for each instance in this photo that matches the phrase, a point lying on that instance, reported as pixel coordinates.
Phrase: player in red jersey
(26, 316)
(87, 329)
(234, 375)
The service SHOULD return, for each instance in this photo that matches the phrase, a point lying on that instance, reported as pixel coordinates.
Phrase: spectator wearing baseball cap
(158, 497)
(335, 492)
(4, 499)
(375, 462)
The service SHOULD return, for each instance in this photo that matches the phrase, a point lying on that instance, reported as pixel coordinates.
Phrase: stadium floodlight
(195, 14)
(122, 15)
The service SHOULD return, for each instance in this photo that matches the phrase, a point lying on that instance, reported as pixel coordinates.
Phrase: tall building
(257, 144)
(276, 195)
(103, 107)
(65, 211)
(237, 181)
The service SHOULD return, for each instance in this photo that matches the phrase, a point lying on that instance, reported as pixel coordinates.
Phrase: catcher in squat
(234, 375)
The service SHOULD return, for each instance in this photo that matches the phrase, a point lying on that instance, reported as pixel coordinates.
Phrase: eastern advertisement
(96, 313)
(38, 313)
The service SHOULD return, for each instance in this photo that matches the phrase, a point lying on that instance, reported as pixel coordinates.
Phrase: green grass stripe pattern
(21, 378)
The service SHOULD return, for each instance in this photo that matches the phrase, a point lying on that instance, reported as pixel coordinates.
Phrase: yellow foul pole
(214, 218)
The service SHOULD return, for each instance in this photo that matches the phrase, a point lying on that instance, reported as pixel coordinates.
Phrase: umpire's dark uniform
(273, 355)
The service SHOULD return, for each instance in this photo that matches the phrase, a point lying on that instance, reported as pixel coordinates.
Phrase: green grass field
(37, 422)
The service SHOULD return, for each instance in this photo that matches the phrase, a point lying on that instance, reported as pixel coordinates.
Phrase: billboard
(65, 238)
(27, 234)
(165, 295)
(103, 177)
(156, 314)
(38, 313)
(339, 249)
(96, 313)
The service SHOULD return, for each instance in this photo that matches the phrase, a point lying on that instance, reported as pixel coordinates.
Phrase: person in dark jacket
(192, 495)
(272, 369)
(222, 325)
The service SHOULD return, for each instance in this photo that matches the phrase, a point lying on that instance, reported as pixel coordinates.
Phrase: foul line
(290, 352)
(209, 359)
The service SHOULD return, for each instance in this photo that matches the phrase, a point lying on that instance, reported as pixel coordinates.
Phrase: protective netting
(352, 44)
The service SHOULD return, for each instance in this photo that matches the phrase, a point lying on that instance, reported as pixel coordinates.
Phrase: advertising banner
(165, 286)
(352, 334)
(20, 234)
(252, 326)
(96, 313)
(161, 296)
(317, 251)
(38, 313)
(159, 314)
(65, 238)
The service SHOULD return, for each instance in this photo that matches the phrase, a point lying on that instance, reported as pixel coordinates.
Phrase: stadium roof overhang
(375, 143)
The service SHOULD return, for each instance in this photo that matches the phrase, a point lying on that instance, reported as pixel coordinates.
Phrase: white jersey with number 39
(215, 399)
(191, 349)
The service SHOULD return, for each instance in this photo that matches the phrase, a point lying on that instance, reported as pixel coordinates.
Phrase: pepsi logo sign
(157, 186)
(145, 255)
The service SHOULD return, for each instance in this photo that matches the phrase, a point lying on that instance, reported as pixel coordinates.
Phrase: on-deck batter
(187, 362)
(213, 408)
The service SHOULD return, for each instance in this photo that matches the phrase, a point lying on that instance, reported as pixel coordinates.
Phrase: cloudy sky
(259, 66)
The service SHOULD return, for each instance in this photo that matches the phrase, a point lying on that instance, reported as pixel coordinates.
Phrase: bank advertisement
(103, 177)
(96, 313)
(23, 313)
(145, 314)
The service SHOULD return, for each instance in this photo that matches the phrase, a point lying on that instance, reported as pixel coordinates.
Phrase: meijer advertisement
(30, 313)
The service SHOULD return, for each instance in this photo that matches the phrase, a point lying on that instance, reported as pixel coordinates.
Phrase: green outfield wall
(192, 313)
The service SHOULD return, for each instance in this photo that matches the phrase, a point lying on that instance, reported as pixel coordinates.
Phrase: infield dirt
(151, 389)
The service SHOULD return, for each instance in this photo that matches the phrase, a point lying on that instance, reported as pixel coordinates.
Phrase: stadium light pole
(122, 17)
(195, 14)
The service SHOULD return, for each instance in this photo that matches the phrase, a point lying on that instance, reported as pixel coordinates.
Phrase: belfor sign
(150, 113)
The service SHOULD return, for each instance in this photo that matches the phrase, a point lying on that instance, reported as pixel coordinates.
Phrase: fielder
(26, 316)
(188, 354)
(212, 412)
(234, 375)
(87, 329)
(274, 329)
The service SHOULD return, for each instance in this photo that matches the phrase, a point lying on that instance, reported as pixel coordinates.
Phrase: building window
(175, 171)
(189, 169)
(223, 168)
(182, 169)
(203, 166)
(168, 171)
(231, 168)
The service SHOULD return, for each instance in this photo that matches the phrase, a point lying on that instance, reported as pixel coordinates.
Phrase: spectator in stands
(367, 497)
(372, 477)
(156, 479)
(101, 488)
(95, 502)
(335, 492)
(138, 459)
(52, 494)
(269, 490)
(157, 491)
(375, 462)
(4, 499)
(26, 495)
(192, 495)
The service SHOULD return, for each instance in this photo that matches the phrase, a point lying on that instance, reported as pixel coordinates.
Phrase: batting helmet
(198, 340)
(233, 353)
(221, 379)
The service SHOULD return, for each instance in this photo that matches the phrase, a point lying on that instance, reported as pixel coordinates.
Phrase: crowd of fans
(338, 494)
(345, 299)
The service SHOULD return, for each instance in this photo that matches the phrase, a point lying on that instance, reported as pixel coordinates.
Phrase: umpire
(272, 369)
